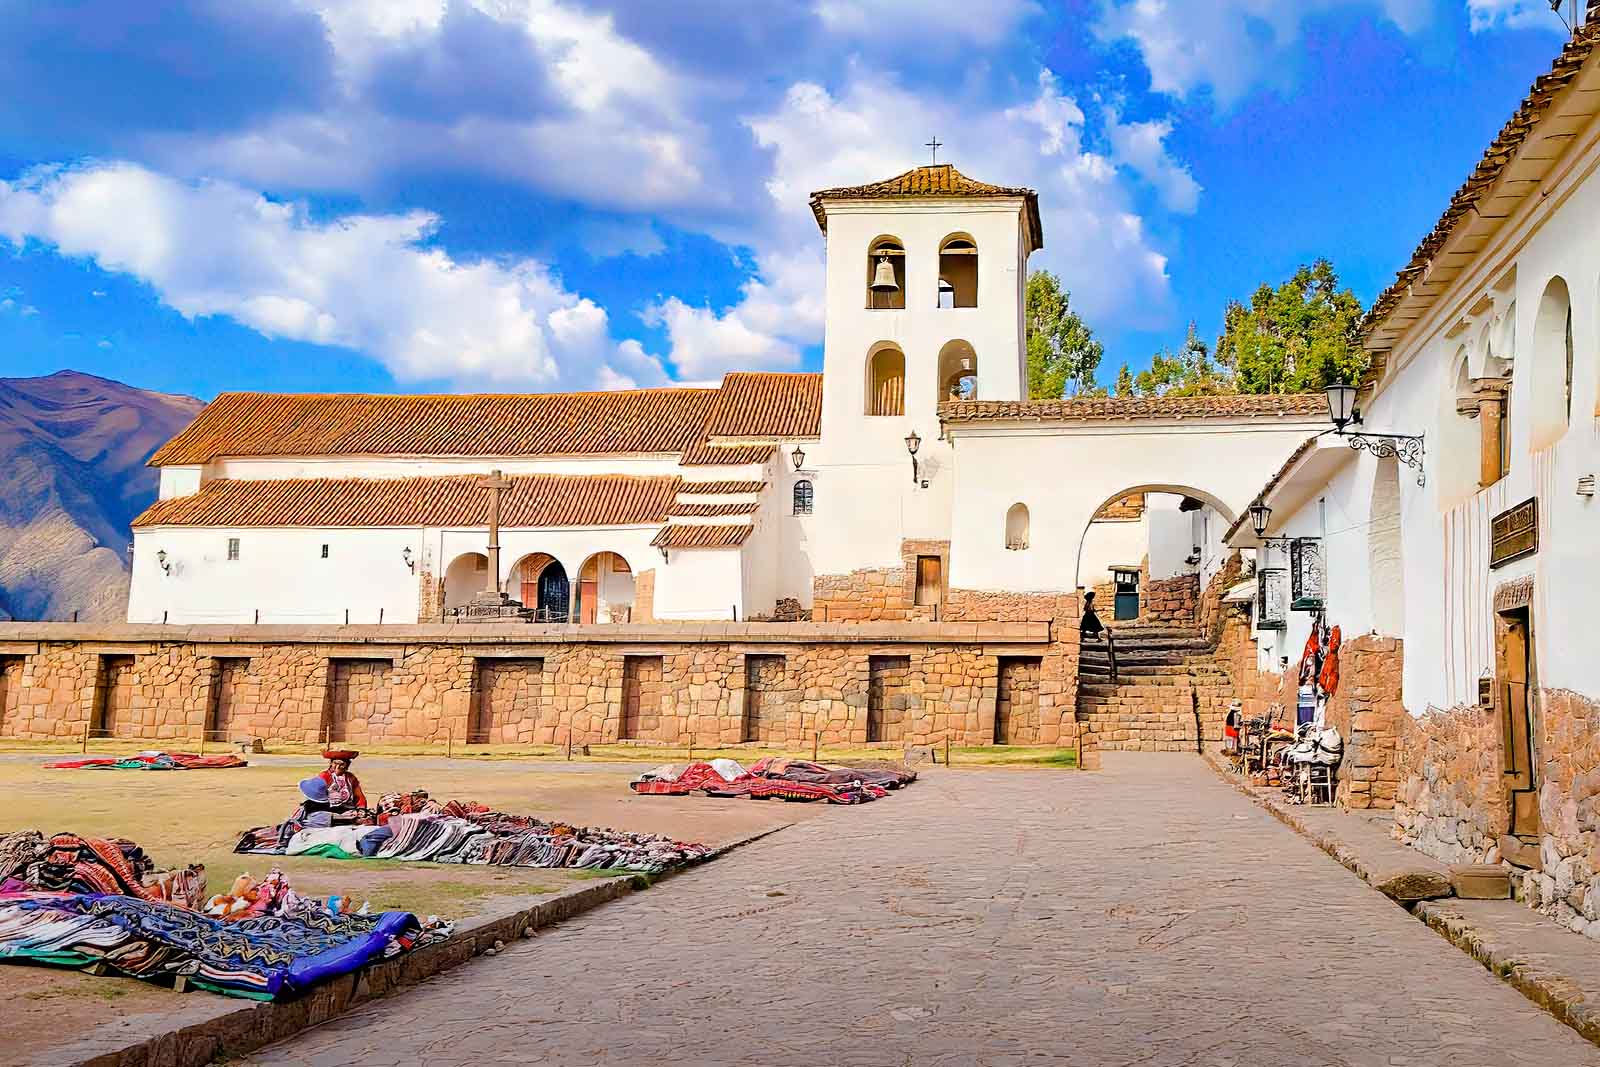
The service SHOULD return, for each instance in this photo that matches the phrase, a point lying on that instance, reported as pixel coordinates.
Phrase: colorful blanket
(777, 778)
(464, 832)
(259, 958)
(68, 863)
(150, 761)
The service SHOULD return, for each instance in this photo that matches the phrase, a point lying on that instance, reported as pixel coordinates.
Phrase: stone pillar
(1490, 394)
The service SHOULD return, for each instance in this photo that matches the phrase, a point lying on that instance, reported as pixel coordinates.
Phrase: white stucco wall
(1113, 542)
(1224, 460)
(701, 584)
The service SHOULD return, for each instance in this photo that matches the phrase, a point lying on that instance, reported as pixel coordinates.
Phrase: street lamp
(161, 559)
(1342, 412)
(411, 564)
(1260, 516)
(799, 457)
(913, 442)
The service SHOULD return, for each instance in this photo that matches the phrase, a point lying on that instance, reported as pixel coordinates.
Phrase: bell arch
(886, 380)
(958, 271)
(958, 371)
(886, 274)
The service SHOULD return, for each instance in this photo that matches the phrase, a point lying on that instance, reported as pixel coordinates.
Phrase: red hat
(345, 754)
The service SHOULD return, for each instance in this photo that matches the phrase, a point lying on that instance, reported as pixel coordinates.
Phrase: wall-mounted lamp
(913, 442)
(663, 550)
(161, 560)
(1260, 519)
(411, 563)
(799, 457)
(1342, 410)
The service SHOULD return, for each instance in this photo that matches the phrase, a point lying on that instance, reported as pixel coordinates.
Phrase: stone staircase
(1169, 686)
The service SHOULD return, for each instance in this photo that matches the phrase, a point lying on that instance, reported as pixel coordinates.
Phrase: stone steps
(1165, 674)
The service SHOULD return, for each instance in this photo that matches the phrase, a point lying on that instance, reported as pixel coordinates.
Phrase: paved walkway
(984, 917)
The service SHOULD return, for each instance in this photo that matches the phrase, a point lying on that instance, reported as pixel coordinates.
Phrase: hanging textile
(1328, 679)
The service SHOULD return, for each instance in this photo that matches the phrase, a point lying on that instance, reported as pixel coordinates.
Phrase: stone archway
(1211, 500)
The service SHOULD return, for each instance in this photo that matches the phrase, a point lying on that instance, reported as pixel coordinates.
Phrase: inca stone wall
(545, 685)
(1367, 711)
(1174, 601)
(886, 594)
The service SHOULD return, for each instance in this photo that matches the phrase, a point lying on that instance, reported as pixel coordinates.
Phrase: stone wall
(881, 594)
(545, 684)
(1171, 601)
(1367, 711)
(1452, 801)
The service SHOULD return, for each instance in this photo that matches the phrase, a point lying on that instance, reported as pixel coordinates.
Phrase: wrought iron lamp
(411, 563)
(161, 560)
(1260, 519)
(913, 442)
(799, 457)
(1342, 411)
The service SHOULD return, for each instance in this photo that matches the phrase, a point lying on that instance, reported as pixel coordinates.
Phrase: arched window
(886, 382)
(886, 274)
(958, 372)
(1550, 388)
(802, 497)
(958, 272)
(1017, 527)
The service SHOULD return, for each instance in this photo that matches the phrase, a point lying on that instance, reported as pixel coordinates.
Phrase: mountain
(72, 479)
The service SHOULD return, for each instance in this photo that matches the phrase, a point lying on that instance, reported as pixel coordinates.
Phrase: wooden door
(1517, 734)
(588, 600)
(930, 581)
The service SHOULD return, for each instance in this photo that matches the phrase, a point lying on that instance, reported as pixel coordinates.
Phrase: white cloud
(1485, 15)
(1230, 46)
(1142, 148)
(985, 23)
(367, 282)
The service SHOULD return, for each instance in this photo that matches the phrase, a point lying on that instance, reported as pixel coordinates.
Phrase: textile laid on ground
(151, 761)
(67, 863)
(784, 779)
(412, 826)
(262, 957)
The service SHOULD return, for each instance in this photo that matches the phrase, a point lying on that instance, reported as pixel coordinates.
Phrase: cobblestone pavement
(1145, 915)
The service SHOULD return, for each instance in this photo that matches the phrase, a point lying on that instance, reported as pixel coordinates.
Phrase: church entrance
(1518, 715)
(542, 585)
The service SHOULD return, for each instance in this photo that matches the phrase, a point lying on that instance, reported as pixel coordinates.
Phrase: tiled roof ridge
(1495, 157)
(721, 488)
(935, 180)
(701, 536)
(1272, 483)
(1230, 405)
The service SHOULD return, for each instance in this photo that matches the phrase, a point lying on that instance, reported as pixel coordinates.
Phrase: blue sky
(563, 194)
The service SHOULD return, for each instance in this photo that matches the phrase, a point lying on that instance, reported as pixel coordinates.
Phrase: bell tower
(925, 283)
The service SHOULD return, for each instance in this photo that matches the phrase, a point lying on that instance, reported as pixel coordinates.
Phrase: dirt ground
(182, 817)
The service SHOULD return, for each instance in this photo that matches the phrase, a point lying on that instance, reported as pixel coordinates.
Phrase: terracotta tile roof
(720, 488)
(1465, 204)
(1236, 405)
(532, 501)
(939, 181)
(685, 536)
(267, 424)
(1272, 483)
(768, 406)
(704, 454)
(712, 511)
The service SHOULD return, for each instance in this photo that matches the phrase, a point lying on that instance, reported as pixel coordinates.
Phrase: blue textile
(370, 843)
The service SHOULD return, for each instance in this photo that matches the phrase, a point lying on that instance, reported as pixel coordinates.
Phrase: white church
(914, 451)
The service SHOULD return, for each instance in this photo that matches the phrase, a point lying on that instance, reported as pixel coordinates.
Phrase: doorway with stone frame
(1516, 700)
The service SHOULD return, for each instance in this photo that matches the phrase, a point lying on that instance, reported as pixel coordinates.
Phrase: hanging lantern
(883, 278)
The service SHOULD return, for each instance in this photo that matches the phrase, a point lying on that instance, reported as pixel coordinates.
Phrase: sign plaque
(1514, 533)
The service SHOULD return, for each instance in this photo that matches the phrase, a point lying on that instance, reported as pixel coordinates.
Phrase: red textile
(1329, 679)
(695, 776)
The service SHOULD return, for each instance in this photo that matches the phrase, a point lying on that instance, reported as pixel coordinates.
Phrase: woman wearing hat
(344, 788)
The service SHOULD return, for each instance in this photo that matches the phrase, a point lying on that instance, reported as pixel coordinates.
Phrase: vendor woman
(344, 788)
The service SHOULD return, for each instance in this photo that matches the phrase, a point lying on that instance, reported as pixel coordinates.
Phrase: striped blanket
(150, 761)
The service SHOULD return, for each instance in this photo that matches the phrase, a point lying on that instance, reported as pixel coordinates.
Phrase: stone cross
(495, 482)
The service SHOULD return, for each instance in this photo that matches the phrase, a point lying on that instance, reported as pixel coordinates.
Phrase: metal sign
(1514, 533)
(1307, 578)
(1271, 584)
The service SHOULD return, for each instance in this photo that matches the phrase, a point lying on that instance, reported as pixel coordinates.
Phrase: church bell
(883, 278)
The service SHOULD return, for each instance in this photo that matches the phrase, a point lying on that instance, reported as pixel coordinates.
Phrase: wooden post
(816, 743)
(380, 616)
(947, 750)
(569, 746)
(85, 746)
(202, 740)
(691, 748)
(449, 743)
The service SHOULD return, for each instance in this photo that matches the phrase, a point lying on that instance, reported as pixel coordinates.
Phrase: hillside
(72, 478)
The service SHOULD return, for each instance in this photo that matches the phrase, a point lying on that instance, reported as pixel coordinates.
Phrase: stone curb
(1554, 992)
(255, 1025)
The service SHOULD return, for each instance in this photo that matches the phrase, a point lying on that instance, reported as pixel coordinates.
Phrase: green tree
(1062, 350)
(1124, 381)
(1295, 338)
(1187, 372)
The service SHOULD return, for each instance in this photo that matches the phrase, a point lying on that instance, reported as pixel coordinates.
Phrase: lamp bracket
(1407, 448)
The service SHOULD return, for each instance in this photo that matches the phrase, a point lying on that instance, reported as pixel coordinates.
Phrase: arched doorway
(1192, 535)
(465, 578)
(542, 585)
(605, 589)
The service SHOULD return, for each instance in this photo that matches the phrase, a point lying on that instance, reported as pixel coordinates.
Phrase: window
(802, 497)
(1017, 527)
(324, 551)
(886, 386)
(886, 274)
(958, 272)
(1550, 392)
(958, 372)
(233, 548)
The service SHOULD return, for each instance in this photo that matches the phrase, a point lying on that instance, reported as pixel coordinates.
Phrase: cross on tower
(495, 483)
(935, 144)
